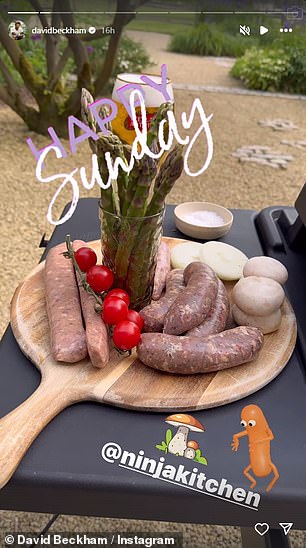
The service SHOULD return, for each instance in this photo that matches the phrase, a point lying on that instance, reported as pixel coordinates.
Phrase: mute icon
(286, 527)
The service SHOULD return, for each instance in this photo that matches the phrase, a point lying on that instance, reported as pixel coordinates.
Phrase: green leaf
(168, 436)
(160, 447)
(202, 460)
(198, 453)
(164, 445)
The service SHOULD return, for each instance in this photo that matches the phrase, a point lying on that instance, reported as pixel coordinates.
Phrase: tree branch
(37, 6)
(109, 61)
(119, 22)
(59, 67)
(9, 45)
(98, 34)
(28, 114)
(81, 60)
(56, 18)
(34, 83)
(51, 39)
(78, 48)
(10, 82)
(5, 97)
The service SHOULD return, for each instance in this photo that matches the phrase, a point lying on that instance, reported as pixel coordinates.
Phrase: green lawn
(156, 26)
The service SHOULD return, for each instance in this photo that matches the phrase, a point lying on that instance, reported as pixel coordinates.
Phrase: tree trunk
(41, 121)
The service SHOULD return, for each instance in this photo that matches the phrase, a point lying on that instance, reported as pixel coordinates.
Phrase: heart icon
(261, 528)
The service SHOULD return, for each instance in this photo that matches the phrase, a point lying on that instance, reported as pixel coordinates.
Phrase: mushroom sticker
(178, 444)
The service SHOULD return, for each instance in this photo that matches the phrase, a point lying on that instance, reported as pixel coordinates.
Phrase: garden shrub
(279, 68)
(296, 75)
(207, 39)
(262, 69)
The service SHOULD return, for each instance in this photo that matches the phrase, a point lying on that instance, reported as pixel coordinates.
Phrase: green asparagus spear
(87, 99)
(154, 125)
(103, 113)
(169, 172)
(142, 261)
(146, 173)
(112, 144)
(87, 117)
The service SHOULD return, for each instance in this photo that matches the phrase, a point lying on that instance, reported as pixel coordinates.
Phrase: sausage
(96, 330)
(67, 334)
(217, 317)
(153, 314)
(230, 324)
(163, 268)
(193, 304)
(190, 355)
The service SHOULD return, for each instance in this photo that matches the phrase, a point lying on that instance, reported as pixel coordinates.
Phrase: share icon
(286, 527)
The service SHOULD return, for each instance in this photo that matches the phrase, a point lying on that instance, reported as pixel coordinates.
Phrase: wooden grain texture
(124, 382)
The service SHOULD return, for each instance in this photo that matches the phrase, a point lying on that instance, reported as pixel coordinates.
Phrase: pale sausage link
(67, 334)
(96, 330)
(163, 268)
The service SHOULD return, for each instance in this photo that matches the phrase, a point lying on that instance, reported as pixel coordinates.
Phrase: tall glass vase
(129, 248)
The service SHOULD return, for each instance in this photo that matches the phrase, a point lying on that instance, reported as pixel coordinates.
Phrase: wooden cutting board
(125, 382)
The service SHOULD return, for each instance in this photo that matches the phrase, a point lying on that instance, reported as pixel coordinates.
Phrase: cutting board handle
(21, 426)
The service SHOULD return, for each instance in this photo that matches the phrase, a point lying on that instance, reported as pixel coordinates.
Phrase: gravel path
(191, 69)
(24, 203)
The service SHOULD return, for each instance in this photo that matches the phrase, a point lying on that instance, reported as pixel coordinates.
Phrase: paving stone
(296, 144)
(278, 125)
(263, 155)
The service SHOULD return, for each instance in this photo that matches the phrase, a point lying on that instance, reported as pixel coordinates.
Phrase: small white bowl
(202, 232)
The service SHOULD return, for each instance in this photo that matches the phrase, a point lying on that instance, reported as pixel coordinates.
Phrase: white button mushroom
(257, 295)
(267, 267)
(189, 453)
(267, 324)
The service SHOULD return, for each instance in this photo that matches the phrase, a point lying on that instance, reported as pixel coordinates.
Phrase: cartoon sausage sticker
(260, 437)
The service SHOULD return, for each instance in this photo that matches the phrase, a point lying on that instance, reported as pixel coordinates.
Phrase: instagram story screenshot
(153, 267)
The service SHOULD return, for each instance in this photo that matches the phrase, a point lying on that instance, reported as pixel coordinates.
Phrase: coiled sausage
(193, 304)
(153, 315)
(217, 317)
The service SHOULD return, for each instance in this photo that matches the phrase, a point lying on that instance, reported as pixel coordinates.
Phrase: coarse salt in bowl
(203, 220)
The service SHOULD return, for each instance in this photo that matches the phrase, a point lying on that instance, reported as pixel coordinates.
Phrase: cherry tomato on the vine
(133, 316)
(116, 292)
(126, 335)
(85, 258)
(114, 310)
(100, 278)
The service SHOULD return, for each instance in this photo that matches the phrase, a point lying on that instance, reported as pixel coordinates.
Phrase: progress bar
(266, 12)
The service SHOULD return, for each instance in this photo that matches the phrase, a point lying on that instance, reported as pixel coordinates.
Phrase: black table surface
(64, 472)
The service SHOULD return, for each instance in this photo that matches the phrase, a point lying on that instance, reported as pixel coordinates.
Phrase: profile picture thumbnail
(17, 30)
